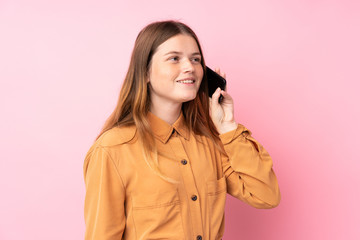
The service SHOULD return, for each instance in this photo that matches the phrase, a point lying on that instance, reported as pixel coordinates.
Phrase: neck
(167, 112)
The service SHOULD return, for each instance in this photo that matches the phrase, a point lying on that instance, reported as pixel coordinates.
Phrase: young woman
(167, 155)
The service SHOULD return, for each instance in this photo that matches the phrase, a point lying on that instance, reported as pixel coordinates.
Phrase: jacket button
(184, 162)
(199, 237)
(194, 197)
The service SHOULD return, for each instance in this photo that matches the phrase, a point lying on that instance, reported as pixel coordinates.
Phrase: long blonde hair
(134, 99)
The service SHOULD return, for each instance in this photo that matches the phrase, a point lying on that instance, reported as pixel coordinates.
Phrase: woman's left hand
(222, 114)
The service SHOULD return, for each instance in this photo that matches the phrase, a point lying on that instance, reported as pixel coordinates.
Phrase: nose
(187, 66)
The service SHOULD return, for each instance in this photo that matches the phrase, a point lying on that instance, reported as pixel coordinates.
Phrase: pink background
(292, 68)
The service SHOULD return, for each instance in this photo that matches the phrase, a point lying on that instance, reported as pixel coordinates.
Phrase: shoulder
(116, 136)
(99, 151)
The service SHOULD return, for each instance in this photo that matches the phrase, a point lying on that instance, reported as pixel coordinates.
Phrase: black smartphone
(214, 81)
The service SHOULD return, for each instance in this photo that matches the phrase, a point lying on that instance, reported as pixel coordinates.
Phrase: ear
(148, 76)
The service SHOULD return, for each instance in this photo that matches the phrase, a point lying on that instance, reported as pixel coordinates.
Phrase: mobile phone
(214, 81)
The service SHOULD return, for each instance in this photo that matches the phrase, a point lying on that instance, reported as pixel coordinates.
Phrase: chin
(188, 99)
(187, 96)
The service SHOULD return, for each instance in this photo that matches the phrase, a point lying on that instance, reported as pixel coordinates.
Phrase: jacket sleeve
(104, 198)
(248, 170)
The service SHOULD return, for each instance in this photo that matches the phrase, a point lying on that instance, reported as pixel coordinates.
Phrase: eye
(196, 59)
(174, 59)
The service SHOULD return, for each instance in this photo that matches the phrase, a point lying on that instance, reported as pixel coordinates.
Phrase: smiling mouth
(186, 81)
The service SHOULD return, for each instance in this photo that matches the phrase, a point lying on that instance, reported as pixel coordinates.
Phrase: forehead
(179, 43)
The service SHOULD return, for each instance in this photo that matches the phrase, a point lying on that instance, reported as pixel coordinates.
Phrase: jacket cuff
(228, 137)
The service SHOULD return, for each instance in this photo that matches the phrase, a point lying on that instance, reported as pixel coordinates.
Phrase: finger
(226, 95)
(215, 97)
(218, 71)
(222, 74)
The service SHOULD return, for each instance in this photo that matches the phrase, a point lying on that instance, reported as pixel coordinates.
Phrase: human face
(175, 71)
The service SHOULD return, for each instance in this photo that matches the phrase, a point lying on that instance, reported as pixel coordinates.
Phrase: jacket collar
(163, 130)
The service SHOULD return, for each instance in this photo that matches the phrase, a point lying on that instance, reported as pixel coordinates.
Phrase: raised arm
(246, 164)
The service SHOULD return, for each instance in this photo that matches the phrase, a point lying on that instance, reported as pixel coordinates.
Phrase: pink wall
(292, 68)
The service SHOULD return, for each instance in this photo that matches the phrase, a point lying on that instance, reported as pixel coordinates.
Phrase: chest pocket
(158, 216)
(216, 196)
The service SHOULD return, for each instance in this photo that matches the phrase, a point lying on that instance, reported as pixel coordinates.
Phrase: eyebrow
(175, 52)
